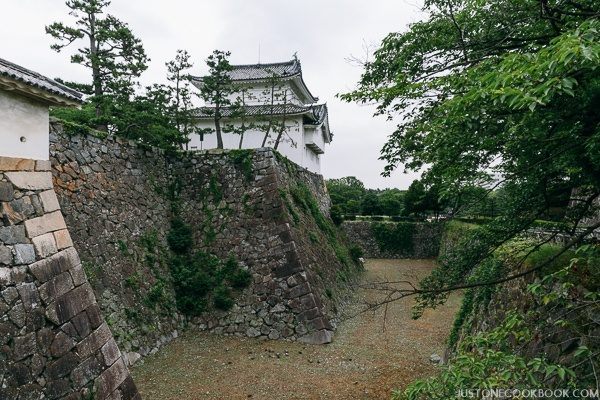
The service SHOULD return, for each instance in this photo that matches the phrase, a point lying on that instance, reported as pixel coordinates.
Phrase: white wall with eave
(24, 127)
(292, 145)
(259, 93)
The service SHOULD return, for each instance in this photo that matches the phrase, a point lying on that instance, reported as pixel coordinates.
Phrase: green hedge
(394, 236)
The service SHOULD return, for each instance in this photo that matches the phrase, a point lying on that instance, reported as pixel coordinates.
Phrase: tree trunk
(282, 129)
(264, 142)
(96, 78)
(218, 126)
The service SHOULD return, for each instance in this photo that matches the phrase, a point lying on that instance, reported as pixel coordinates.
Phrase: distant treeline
(350, 199)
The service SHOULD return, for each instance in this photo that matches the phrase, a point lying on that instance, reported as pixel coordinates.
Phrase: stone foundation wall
(116, 199)
(54, 341)
(112, 194)
(254, 218)
(425, 240)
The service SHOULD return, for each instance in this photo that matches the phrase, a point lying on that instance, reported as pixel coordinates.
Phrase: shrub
(180, 236)
(355, 252)
(222, 298)
(396, 236)
(336, 215)
(156, 294)
(241, 279)
(485, 361)
(149, 240)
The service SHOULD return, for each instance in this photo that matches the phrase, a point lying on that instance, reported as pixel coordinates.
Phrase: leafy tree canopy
(493, 89)
(495, 93)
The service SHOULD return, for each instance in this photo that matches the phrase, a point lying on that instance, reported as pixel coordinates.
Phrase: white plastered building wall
(292, 145)
(23, 127)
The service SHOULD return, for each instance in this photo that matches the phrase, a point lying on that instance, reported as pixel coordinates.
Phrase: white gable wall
(259, 93)
(24, 127)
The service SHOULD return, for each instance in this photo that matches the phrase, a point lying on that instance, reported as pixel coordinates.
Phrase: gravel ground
(365, 361)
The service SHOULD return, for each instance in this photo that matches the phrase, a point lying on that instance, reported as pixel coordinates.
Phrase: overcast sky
(324, 33)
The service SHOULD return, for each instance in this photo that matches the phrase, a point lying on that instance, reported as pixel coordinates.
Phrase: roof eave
(291, 114)
(304, 89)
(51, 99)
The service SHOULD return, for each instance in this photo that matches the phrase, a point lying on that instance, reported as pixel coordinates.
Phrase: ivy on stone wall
(242, 159)
(304, 200)
(396, 236)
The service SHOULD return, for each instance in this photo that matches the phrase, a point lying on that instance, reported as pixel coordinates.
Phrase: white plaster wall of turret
(23, 127)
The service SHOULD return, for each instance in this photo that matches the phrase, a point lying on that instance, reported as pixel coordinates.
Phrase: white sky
(324, 33)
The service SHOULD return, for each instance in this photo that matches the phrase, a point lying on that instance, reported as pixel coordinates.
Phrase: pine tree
(110, 50)
(217, 88)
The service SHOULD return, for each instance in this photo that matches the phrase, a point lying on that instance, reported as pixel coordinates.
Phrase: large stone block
(45, 245)
(110, 352)
(16, 164)
(129, 390)
(299, 290)
(48, 268)
(29, 295)
(63, 366)
(63, 239)
(111, 379)
(24, 254)
(47, 223)
(6, 257)
(85, 372)
(30, 180)
(94, 341)
(81, 323)
(61, 344)
(49, 201)
(78, 275)
(70, 304)
(56, 287)
(12, 234)
(5, 276)
(6, 191)
(43, 165)
(24, 346)
(319, 337)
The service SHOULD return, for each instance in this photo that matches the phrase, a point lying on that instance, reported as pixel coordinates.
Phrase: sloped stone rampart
(54, 341)
(116, 198)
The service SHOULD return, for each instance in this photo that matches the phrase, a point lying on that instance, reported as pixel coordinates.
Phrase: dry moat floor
(365, 361)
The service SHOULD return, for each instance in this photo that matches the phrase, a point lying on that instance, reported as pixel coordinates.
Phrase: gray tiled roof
(321, 113)
(251, 72)
(316, 113)
(261, 72)
(39, 81)
(265, 71)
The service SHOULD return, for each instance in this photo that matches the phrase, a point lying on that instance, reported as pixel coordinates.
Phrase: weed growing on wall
(475, 300)
(242, 159)
(306, 202)
(215, 189)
